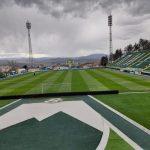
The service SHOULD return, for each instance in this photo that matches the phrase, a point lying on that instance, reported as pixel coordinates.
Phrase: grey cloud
(5, 3)
(132, 32)
(80, 8)
(58, 8)
(70, 35)
(28, 3)
(135, 7)
(139, 7)
(132, 21)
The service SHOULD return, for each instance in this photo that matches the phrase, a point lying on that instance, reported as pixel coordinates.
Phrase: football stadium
(120, 119)
(79, 100)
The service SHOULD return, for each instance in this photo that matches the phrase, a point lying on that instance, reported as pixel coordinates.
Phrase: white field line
(127, 139)
(9, 104)
(123, 116)
(105, 137)
(124, 137)
(134, 92)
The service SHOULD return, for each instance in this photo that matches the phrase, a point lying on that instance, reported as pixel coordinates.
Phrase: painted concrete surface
(77, 109)
(84, 109)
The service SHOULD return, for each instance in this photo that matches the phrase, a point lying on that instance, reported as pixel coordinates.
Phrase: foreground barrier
(59, 94)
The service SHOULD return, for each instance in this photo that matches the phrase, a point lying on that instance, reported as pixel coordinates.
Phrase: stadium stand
(138, 60)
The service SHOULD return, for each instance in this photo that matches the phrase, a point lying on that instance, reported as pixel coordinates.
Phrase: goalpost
(55, 87)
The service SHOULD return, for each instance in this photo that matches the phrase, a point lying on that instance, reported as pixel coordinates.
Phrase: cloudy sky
(63, 28)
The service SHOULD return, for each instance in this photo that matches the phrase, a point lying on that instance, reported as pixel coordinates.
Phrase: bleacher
(133, 60)
(147, 68)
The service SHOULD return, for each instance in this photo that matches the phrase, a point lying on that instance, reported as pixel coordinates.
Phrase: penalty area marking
(10, 104)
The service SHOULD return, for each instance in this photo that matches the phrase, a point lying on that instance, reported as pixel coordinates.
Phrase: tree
(117, 54)
(104, 61)
(129, 48)
(136, 47)
(13, 65)
(2, 75)
(25, 67)
(144, 44)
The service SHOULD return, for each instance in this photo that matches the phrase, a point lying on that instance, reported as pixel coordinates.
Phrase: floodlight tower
(28, 26)
(110, 38)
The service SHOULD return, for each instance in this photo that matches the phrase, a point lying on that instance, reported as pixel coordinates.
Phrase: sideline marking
(134, 92)
(123, 116)
(9, 104)
(119, 132)
(124, 137)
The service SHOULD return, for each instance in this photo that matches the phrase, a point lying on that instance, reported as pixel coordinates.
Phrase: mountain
(52, 60)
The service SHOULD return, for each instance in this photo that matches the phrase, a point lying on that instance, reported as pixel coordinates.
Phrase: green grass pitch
(73, 80)
(115, 142)
(134, 105)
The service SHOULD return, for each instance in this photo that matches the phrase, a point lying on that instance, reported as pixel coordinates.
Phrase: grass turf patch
(115, 142)
(78, 83)
(135, 106)
(125, 81)
(107, 82)
(80, 80)
(5, 102)
(138, 80)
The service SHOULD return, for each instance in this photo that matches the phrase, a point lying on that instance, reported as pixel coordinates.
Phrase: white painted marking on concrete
(105, 137)
(54, 100)
(121, 134)
(9, 104)
(77, 109)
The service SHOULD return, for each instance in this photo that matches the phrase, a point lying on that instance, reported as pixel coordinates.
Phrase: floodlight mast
(110, 38)
(28, 26)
